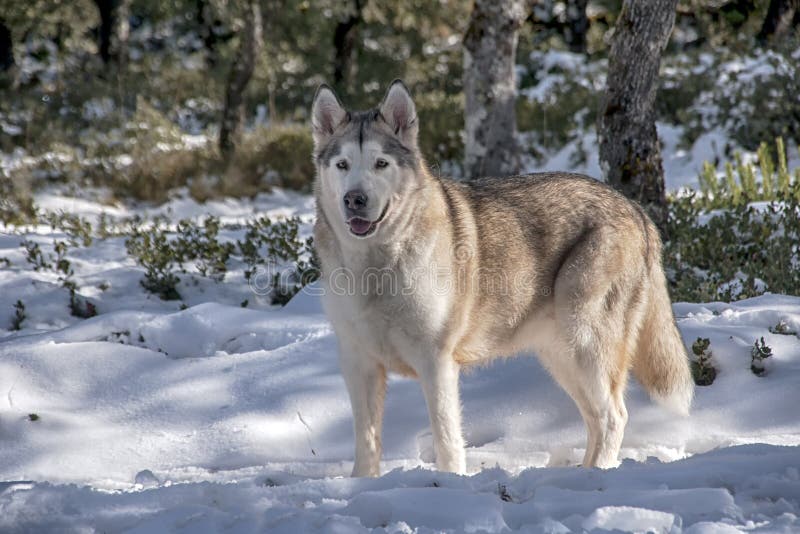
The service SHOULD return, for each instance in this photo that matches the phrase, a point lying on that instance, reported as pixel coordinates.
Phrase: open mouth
(363, 227)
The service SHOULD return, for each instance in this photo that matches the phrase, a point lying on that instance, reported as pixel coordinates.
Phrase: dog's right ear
(327, 113)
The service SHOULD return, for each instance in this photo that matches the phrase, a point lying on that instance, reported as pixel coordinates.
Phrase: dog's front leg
(439, 379)
(366, 384)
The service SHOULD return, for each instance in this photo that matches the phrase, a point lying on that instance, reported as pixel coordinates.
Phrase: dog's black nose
(355, 199)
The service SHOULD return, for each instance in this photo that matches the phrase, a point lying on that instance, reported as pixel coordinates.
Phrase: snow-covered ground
(149, 418)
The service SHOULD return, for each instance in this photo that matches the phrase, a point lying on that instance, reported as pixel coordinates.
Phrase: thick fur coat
(423, 276)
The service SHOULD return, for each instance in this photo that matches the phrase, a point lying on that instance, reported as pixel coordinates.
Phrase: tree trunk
(244, 63)
(6, 47)
(490, 46)
(629, 149)
(577, 26)
(344, 41)
(781, 15)
(113, 32)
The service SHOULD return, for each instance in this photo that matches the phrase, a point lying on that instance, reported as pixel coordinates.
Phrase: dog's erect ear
(327, 113)
(399, 112)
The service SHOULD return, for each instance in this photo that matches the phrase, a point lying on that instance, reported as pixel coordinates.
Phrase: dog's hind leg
(598, 310)
(439, 382)
(366, 383)
(603, 409)
(598, 395)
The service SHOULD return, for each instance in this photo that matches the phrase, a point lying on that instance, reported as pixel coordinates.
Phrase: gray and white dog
(423, 276)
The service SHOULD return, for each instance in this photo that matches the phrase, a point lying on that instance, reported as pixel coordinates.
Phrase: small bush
(159, 160)
(703, 371)
(734, 253)
(19, 316)
(758, 354)
(742, 182)
(265, 243)
(152, 250)
(77, 229)
(275, 155)
(62, 265)
(34, 256)
(16, 203)
(281, 243)
(57, 262)
(720, 246)
(201, 245)
(782, 328)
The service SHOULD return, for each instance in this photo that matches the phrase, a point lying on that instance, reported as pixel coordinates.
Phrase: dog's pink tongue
(359, 225)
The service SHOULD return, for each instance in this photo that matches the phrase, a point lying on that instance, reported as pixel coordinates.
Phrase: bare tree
(490, 47)
(345, 37)
(6, 47)
(577, 25)
(781, 15)
(244, 63)
(629, 150)
(112, 35)
(206, 22)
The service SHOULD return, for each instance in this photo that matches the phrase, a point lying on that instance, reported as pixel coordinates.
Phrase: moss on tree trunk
(629, 149)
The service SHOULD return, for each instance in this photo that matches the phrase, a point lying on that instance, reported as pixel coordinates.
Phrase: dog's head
(367, 161)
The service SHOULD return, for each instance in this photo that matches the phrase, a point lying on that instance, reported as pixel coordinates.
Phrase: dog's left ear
(400, 113)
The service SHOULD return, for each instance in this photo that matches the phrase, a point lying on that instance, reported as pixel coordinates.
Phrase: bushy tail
(661, 363)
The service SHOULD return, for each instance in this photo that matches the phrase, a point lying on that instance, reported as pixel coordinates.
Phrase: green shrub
(201, 245)
(782, 328)
(152, 250)
(77, 229)
(57, 262)
(742, 182)
(35, 256)
(760, 352)
(163, 254)
(733, 253)
(19, 316)
(703, 370)
(268, 243)
(281, 153)
(722, 247)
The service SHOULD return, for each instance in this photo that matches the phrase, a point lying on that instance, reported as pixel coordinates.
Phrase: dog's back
(527, 228)
(571, 269)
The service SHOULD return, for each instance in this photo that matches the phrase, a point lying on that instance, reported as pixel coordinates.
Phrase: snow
(222, 418)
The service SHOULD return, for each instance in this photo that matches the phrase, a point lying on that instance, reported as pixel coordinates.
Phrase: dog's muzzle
(362, 227)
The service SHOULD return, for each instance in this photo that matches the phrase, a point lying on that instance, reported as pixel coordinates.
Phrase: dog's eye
(341, 164)
(381, 163)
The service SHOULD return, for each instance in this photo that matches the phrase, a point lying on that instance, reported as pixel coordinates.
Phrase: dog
(424, 276)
